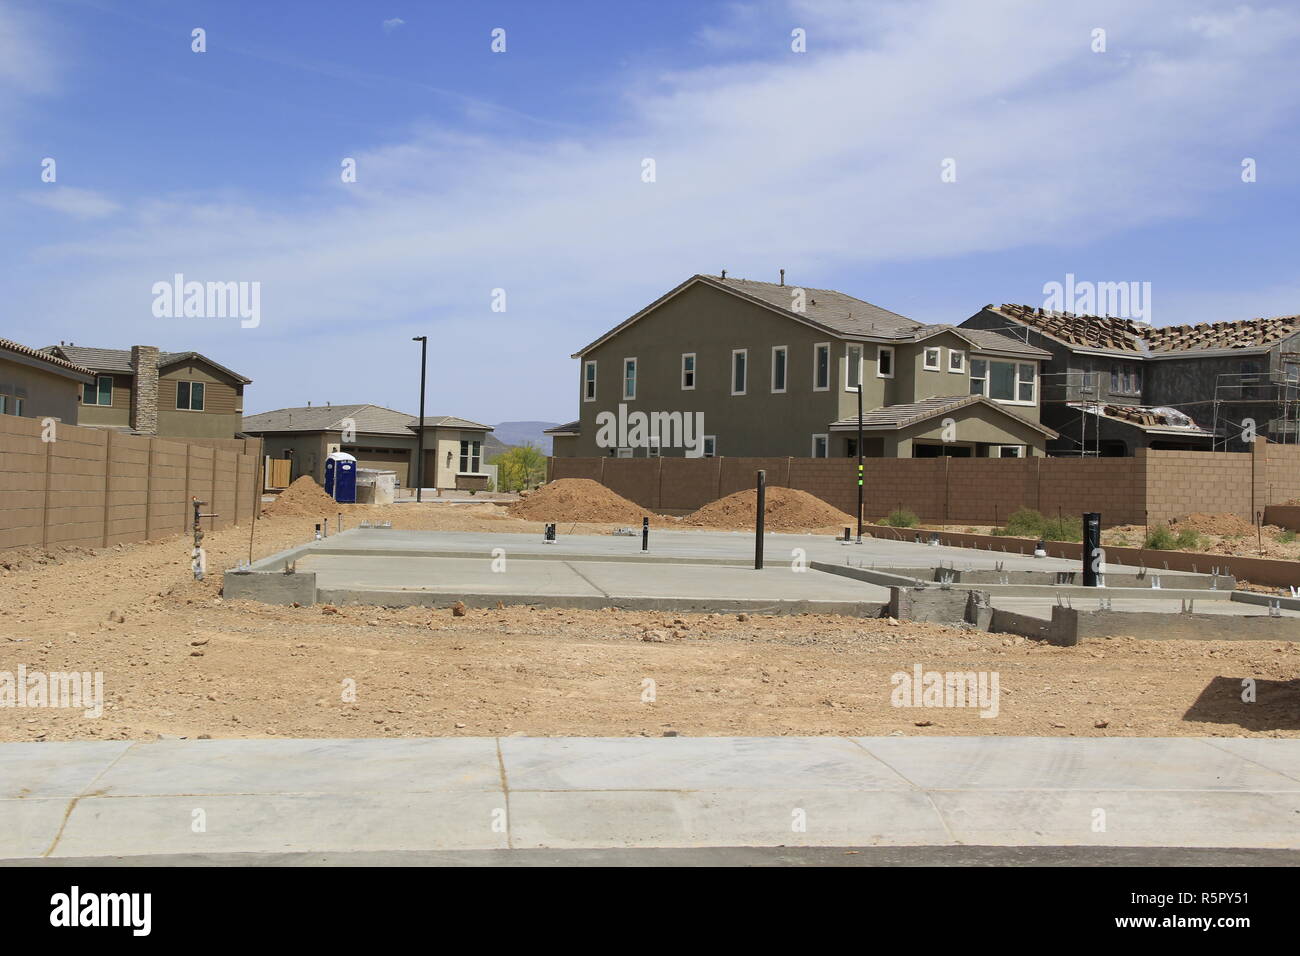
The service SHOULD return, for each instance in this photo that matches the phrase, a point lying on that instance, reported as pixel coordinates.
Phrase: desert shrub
(1025, 523)
(902, 518)
(1063, 529)
(1286, 537)
(1160, 539)
(1188, 540)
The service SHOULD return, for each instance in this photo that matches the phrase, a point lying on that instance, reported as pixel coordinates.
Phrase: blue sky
(522, 171)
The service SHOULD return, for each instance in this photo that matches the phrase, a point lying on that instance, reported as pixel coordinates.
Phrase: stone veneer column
(144, 396)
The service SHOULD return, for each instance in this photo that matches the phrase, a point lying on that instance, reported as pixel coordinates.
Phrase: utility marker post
(758, 520)
(645, 534)
(859, 456)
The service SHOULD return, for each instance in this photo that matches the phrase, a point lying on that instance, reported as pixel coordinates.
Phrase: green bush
(1286, 537)
(1188, 540)
(1160, 539)
(1063, 529)
(902, 518)
(1025, 523)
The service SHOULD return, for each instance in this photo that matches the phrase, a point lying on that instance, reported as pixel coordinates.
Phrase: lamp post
(419, 435)
(859, 454)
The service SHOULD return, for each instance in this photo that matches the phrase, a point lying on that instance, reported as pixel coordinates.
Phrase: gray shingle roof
(889, 417)
(368, 419)
(835, 310)
(839, 314)
(566, 428)
(119, 360)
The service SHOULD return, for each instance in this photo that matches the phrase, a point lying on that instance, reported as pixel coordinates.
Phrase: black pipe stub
(548, 537)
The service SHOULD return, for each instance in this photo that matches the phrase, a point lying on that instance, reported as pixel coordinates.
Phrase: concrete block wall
(94, 488)
(1153, 486)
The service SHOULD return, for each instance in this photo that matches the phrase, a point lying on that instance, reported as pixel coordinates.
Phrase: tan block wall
(95, 488)
(1152, 487)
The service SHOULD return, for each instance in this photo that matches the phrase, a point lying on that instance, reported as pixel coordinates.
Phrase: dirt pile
(1225, 524)
(580, 499)
(786, 509)
(303, 499)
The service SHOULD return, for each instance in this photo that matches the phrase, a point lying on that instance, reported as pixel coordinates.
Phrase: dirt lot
(181, 661)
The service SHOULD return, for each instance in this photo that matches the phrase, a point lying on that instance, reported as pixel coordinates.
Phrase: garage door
(386, 459)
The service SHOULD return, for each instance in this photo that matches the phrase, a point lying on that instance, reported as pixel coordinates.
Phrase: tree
(522, 467)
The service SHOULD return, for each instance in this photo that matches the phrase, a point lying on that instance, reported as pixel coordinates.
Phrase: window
(885, 361)
(688, 371)
(1011, 451)
(652, 449)
(589, 381)
(1003, 381)
(99, 392)
(710, 446)
(4, 404)
(778, 368)
(739, 370)
(819, 443)
(17, 406)
(956, 360)
(852, 368)
(470, 456)
(189, 396)
(821, 367)
(625, 453)
(1025, 384)
(932, 360)
(629, 379)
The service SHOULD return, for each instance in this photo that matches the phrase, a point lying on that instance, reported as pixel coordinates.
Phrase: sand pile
(787, 509)
(303, 499)
(580, 499)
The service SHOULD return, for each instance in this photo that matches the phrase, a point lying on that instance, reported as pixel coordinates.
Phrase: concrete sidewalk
(186, 797)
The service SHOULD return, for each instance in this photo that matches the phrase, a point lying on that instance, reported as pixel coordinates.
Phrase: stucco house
(149, 392)
(35, 384)
(765, 368)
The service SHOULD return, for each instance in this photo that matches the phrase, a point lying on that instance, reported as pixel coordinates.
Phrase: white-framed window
(853, 358)
(471, 456)
(1011, 451)
(820, 445)
(1012, 383)
(98, 392)
(688, 371)
(956, 360)
(780, 368)
(931, 362)
(589, 380)
(652, 449)
(4, 404)
(189, 396)
(822, 367)
(885, 361)
(739, 371)
(629, 379)
(17, 406)
(624, 453)
(710, 446)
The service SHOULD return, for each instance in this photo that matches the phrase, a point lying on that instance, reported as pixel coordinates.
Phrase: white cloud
(72, 201)
(392, 24)
(812, 162)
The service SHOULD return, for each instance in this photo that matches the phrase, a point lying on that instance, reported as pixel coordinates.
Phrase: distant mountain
(517, 433)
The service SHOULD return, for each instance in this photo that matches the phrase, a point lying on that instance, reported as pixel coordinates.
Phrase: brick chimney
(144, 397)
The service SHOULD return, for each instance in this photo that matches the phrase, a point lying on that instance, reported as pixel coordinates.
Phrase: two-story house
(1114, 385)
(35, 384)
(775, 370)
(148, 392)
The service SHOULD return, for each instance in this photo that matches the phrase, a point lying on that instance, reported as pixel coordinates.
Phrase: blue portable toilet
(341, 477)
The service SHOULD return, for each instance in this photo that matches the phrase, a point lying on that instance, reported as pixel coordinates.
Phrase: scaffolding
(1258, 403)
(1086, 386)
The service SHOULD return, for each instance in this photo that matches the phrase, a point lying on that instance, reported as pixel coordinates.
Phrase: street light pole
(859, 454)
(419, 436)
